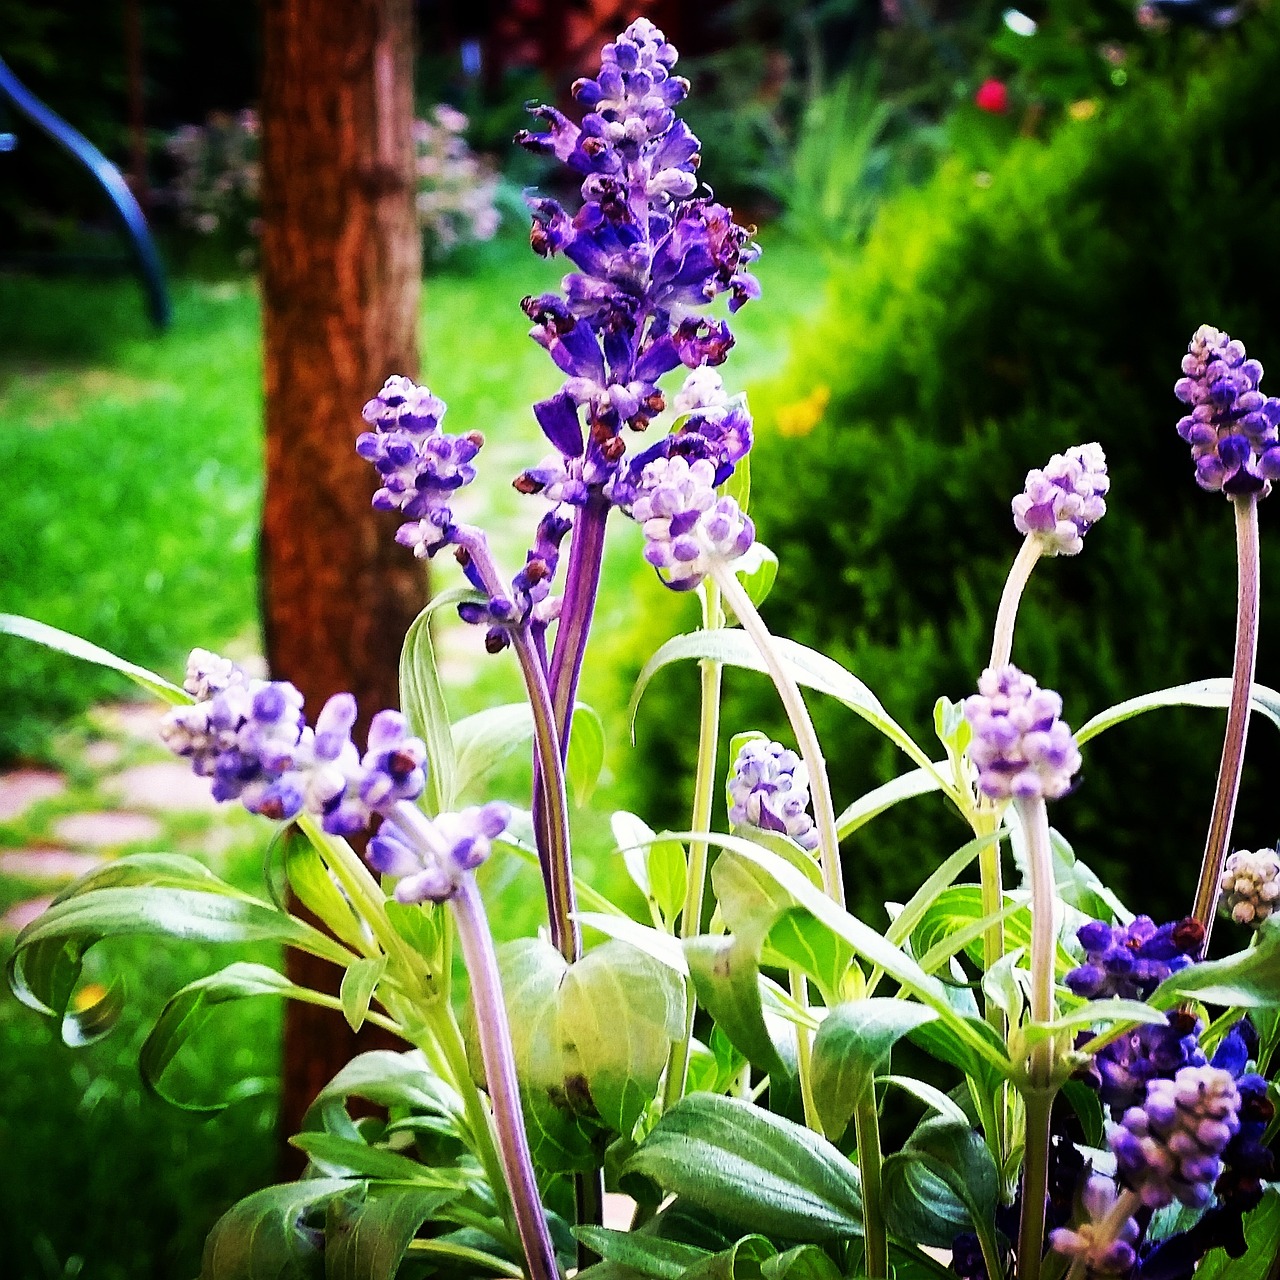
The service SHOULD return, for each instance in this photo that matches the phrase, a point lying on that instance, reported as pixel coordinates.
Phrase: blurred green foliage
(996, 317)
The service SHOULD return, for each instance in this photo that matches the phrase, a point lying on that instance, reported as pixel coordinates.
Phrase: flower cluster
(769, 789)
(1232, 426)
(687, 528)
(1132, 960)
(1104, 1245)
(649, 256)
(1151, 1051)
(1063, 501)
(430, 856)
(250, 737)
(1020, 747)
(1250, 885)
(1170, 1148)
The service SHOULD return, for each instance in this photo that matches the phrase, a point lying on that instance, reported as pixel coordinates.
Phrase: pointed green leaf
(262, 1237)
(752, 1168)
(585, 758)
(366, 1238)
(757, 571)
(653, 942)
(646, 1255)
(668, 877)
(1248, 979)
(852, 1046)
(64, 642)
(342, 1156)
(1199, 693)
(743, 1260)
(358, 985)
(918, 782)
(314, 887)
(808, 1262)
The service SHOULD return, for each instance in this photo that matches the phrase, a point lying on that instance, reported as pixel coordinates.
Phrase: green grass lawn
(132, 466)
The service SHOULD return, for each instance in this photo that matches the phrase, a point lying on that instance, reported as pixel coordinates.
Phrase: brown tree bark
(341, 275)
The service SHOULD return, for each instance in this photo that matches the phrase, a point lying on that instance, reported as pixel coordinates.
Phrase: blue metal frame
(109, 178)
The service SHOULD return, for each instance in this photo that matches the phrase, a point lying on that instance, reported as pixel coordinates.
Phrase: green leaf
(798, 941)
(955, 922)
(261, 1237)
(51, 638)
(808, 1262)
(368, 1239)
(743, 1260)
(941, 1183)
(653, 942)
(585, 758)
(927, 895)
(1103, 1013)
(358, 985)
(1199, 693)
(48, 954)
(1261, 1231)
(947, 1108)
(918, 782)
(1080, 888)
(852, 1046)
(738, 485)
(188, 1010)
(590, 1041)
(340, 1156)
(668, 877)
(310, 880)
(808, 667)
(401, 1082)
(1249, 979)
(756, 571)
(423, 702)
(939, 1039)
(752, 1168)
(633, 837)
(484, 742)
(645, 1254)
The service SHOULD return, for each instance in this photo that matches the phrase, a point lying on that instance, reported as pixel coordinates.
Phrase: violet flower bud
(1020, 748)
(1064, 500)
(1170, 1148)
(1250, 886)
(1232, 426)
(429, 857)
(769, 789)
(687, 528)
(1132, 960)
(1149, 1052)
(1104, 1252)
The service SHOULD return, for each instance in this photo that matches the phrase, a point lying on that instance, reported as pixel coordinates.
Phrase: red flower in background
(992, 96)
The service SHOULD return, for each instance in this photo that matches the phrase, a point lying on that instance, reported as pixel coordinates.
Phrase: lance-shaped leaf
(807, 666)
(264, 1236)
(851, 1048)
(1199, 693)
(367, 1236)
(423, 702)
(641, 1253)
(742, 1260)
(64, 642)
(1248, 979)
(401, 1082)
(585, 757)
(752, 1168)
(188, 1010)
(941, 1183)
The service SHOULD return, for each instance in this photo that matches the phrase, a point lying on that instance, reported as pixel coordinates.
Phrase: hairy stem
(500, 1074)
(1224, 799)
(1006, 615)
(866, 1122)
(703, 798)
(801, 725)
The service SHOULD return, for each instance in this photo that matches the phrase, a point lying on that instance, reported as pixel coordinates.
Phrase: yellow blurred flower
(87, 996)
(1085, 109)
(800, 417)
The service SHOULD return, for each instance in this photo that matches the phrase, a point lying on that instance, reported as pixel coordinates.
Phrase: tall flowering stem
(500, 1073)
(1246, 652)
(736, 598)
(1015, 584)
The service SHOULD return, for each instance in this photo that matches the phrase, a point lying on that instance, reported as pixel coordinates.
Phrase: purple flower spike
(1149, 1052)
(769, 789)
(1170, 1148)
(430, 856)
(1062, 502)
(420, 466)
(1020, 747)
(1232, 426)
(1133, 960)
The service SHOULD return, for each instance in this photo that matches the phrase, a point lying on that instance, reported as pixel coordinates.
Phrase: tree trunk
(341, 273)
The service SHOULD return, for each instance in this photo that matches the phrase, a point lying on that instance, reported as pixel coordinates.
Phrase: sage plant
(729, 1067)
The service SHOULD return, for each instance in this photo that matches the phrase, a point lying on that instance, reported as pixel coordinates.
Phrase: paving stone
(107, 830)
(166, 785)
(22, 914)
(25, 787)
(47, 864)
(137, 720)
(103, 754)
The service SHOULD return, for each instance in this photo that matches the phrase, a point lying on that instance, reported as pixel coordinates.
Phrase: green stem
(703, 799)
(804, 1052)
(1246, 652)
(866, 1122)
(1014, 585)
(1035, 1183)
(801, 725)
